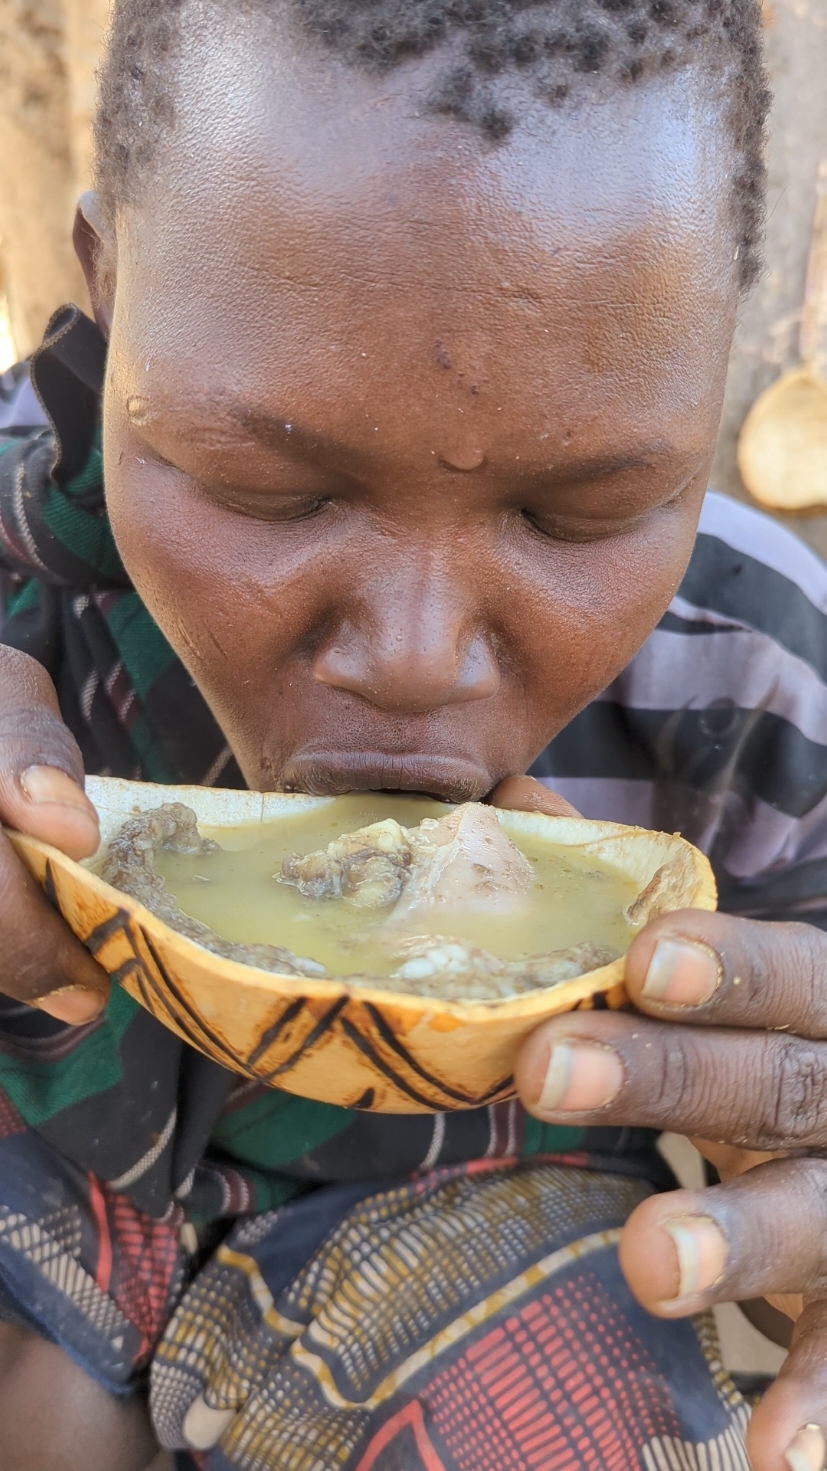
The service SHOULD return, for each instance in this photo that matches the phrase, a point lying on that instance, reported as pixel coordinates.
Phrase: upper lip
(331, 773)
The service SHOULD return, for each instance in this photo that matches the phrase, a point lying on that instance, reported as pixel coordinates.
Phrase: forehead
(309, 230)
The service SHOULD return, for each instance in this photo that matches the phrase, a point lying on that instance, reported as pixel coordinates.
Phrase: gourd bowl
(356, 1045)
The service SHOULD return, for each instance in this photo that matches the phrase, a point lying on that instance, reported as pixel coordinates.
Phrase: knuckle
(33, 737)
(35, 727)
(808, 963)
(31, 729)
(673, 1088)
(797, 1095)
(787, 965)
(814, 1203)
(24, 681)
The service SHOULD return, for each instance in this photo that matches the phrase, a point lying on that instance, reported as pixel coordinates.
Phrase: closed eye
(579, 528)
(560, 526)
(261, 506)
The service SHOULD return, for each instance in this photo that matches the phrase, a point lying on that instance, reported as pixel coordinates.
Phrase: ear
(95, 251)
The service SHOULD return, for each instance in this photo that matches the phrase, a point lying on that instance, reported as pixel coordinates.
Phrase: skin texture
(83, 1428)
(406, 438)
(400, 534)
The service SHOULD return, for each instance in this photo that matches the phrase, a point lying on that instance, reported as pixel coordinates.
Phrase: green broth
(234, 891)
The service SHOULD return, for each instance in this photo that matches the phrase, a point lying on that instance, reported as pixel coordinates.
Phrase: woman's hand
(41, 793)
(728, 1043)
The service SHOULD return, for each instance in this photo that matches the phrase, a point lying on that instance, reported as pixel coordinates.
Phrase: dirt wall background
(48, 54)
(766, 342)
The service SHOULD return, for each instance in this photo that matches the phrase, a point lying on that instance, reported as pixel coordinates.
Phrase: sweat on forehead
(317, 238)
(496, 58)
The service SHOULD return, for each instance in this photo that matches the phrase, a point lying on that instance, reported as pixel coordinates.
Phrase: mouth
(333, 773)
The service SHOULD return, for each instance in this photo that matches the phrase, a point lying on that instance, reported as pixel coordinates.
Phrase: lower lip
(331, 774)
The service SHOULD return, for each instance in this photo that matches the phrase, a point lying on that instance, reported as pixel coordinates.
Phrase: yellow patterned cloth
(474, 1319)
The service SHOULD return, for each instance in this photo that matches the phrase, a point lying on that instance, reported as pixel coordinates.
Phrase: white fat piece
(463, 863)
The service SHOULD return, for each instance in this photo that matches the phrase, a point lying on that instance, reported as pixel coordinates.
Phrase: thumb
(524, 794)
(41, 771)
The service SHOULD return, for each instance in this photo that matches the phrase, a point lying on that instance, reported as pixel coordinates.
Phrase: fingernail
(48, 784)
(808, 1451)
(580, 1077)
(682, 973)
(73, 1004)
(702, 1251)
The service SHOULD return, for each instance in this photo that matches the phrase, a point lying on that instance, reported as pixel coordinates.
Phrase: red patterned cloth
(472, 1320)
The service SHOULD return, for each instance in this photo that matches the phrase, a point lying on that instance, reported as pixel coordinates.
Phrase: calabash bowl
(351, 1044)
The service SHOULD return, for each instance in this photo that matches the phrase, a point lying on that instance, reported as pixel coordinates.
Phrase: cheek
(230, 594)
(586, 609)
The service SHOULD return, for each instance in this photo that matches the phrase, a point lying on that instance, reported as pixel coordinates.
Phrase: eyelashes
(561, 528)
(282, 510)
(582, 530)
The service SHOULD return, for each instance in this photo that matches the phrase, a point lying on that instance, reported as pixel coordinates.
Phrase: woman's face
(406, 435)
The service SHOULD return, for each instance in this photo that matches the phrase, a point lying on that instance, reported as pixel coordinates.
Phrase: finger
(524, 794)
(40, 955)
(788, 1430)
(714, 969)
(758, 1090)
(763, 1234)
(41, 771)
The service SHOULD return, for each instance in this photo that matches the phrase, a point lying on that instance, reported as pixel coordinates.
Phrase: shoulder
(761, 539)
(750, 615)
(748, 567)
(739, 663)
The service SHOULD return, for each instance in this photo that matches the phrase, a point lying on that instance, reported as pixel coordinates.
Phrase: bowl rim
(331, 989)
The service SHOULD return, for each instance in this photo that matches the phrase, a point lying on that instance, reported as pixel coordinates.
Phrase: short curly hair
(548, 45)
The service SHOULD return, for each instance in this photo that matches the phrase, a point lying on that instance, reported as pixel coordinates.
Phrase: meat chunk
(438, 965)
(465, 862)
(458, 863)
(129, 865)
(368, 867)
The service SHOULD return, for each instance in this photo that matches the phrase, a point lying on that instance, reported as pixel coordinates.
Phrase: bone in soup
(426, 898)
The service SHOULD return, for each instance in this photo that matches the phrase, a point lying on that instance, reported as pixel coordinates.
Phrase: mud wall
(48, 54)
(766, 342)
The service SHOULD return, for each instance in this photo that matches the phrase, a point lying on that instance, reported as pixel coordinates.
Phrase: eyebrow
(277, 431)
(600, 466)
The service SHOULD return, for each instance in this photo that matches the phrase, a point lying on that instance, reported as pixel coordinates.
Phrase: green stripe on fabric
(269, 1192)
(140, 643)
(40, 1090)
(91, 476)
(25, 597)
(149, 753)
(278, 1128)
(86, 535)
(550, 1138)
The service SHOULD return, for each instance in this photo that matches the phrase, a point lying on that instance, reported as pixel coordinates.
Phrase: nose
(411, 643)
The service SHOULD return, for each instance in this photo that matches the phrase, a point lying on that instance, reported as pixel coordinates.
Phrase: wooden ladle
(782, 451)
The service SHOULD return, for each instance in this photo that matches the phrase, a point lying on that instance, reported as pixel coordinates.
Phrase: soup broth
(238, 891)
